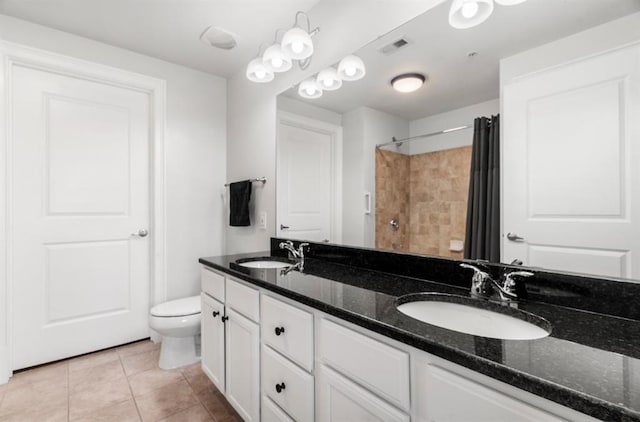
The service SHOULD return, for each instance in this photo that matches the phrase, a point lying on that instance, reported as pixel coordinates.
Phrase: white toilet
(178, 322)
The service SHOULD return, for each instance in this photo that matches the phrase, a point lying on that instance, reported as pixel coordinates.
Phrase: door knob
(283, 227)
(514, 237)
(280, 387)
(140, 233)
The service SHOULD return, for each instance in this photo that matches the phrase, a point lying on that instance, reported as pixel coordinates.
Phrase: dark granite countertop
(590, 362)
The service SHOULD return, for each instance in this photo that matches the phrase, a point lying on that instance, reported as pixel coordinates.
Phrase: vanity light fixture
(309, 88)
(276, 59)
(408, 82)
(258, 72)
(297, 42)
(351, 68)
(509, 2)
(469, 13)
(328, 79)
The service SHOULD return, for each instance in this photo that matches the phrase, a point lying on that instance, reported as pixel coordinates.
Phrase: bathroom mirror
(561, 75)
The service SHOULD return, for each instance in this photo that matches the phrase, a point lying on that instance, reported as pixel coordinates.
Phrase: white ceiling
(167, 29)
(441, 52)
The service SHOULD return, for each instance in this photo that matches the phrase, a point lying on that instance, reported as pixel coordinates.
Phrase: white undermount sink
(264, 264)
(445, 311)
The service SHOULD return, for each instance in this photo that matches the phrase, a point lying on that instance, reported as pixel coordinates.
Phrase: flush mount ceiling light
(258, 72)
(309, 88)
(351, 68)
(408, 82)
(328, 79)
(219, 38)
(276, 60)
(469, 13)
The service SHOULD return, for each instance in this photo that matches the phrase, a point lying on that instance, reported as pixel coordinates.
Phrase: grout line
(68, 395)
(133, 397)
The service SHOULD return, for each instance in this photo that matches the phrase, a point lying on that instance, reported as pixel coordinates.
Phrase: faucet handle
(476, 271)
(285, 244)
(510, 283)
(481, 280)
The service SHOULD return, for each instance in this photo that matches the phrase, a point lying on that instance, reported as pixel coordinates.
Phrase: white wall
(251, 108)
(353, 178)
(301, 108)
(195, 145)
(450, 119)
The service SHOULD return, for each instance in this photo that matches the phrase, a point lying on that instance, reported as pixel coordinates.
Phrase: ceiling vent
(394, 46)
(219, 38)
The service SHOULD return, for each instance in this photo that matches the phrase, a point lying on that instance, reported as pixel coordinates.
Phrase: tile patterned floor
(123, 384)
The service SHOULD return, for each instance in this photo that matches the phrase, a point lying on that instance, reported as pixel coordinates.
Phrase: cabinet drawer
(243, 299)
(272, 413)
(379, 367)
(294, 337)
(212, 283)
(297, 396)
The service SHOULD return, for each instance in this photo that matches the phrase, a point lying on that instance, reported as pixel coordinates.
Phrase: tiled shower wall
(427, 194)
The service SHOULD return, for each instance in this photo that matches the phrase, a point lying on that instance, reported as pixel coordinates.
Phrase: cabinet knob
(215, 313)
(280, 387)
(279, 330)
(225, 318)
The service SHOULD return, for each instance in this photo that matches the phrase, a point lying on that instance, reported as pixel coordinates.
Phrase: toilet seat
(177, 308)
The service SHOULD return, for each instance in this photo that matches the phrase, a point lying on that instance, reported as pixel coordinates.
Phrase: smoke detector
(394, 46)
(219, 38)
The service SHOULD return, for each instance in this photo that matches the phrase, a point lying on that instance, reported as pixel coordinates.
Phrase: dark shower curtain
(482, 240)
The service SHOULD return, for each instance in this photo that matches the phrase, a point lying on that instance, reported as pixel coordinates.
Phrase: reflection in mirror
(368, 166)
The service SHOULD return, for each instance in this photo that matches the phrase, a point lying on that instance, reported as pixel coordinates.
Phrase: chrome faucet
(484, 286)
(295, 253)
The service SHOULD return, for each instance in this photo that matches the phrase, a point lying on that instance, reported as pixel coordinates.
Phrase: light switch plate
(262, 221)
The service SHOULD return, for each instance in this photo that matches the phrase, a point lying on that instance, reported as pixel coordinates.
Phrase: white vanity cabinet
(231, 341)
(278, 360)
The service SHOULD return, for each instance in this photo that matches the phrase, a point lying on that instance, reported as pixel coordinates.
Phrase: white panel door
(571, 181)
(80, 188)
(304, 199)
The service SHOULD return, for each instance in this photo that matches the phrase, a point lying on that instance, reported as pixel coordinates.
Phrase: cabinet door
(339, 400)
(445, 396)
(213, 340)
(243, 370)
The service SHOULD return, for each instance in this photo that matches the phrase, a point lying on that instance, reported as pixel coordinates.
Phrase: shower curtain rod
(399, 142)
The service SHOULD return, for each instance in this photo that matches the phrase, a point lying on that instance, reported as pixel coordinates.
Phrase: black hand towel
(240, 193)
